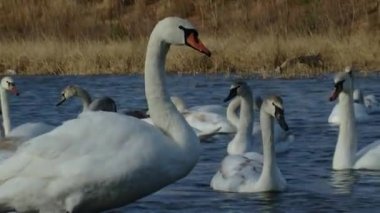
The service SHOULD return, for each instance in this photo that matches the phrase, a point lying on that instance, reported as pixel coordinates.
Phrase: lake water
(311, 184)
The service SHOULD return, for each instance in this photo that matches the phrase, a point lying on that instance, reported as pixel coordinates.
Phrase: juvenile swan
(104, 160)
(245, 171)
(345, 156)
(102, 104)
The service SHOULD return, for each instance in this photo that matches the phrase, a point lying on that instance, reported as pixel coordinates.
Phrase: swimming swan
(345, 156)
(103, 104)
(103, 160)
(13, 137)
(245, 171)
(283, 139)
(361, 111)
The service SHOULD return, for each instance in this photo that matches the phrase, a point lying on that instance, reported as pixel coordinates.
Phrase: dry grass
(247, 37)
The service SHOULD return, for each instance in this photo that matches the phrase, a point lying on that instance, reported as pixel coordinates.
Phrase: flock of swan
(104, 159)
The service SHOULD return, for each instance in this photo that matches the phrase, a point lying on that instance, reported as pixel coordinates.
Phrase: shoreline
(246, 55)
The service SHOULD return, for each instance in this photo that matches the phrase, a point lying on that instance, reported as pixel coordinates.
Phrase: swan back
(103, 104)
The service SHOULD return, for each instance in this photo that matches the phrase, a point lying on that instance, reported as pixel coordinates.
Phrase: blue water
(312, 185)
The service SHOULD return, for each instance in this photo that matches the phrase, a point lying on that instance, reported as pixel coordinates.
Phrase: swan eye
(11, 84)
(189, 32)
(278, 112)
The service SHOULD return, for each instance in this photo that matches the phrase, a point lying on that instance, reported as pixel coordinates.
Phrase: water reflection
(268, 201)
(342, 181)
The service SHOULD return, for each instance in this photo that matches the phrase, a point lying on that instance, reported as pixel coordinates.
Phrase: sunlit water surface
(312, 185)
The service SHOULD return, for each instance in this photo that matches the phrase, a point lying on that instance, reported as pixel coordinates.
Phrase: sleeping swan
(345, 155)
(104, 160)
(243, 170)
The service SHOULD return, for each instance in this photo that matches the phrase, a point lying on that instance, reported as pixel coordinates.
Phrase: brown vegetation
(245, 36)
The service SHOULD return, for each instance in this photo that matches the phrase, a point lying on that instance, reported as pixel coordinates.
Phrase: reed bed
(246, 37)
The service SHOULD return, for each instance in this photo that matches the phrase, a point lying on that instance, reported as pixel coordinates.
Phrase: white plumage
(103, 160)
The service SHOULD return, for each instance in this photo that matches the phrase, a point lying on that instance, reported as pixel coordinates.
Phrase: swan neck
(242, 141)
(84, 97)
(344, 155)
(269, 162)
(232, 115)
(5, 112)
(162, 111)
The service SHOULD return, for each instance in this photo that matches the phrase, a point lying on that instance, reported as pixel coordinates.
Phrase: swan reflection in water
(343, 181)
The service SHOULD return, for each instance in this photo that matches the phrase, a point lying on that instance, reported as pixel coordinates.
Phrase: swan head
(343, 82)
(8, 84)
(238, 88)
(178, 31)
(274, 107)
(178, 103)
(67, 93)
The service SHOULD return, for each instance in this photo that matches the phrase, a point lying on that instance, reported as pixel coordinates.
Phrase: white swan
(203, 121)
(104, 160)
(103, 104)
(371, 103)
(361, 111)
(345, 156)
(244, 171)
(23, 132)
(283, 139)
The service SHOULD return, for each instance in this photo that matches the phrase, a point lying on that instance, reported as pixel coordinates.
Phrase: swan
(203, 121)
(20, 133)
(103, 160)
(345, 156)
(243, 170)
(103, 104)
(283, 139)
(371, 103)
(361, 111)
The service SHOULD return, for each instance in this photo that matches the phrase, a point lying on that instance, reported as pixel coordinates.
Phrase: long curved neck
(269, 171)
(162, 111)
(344, 156)
(84, 97)
(5, 112)
(232, 116)
(242, 141)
